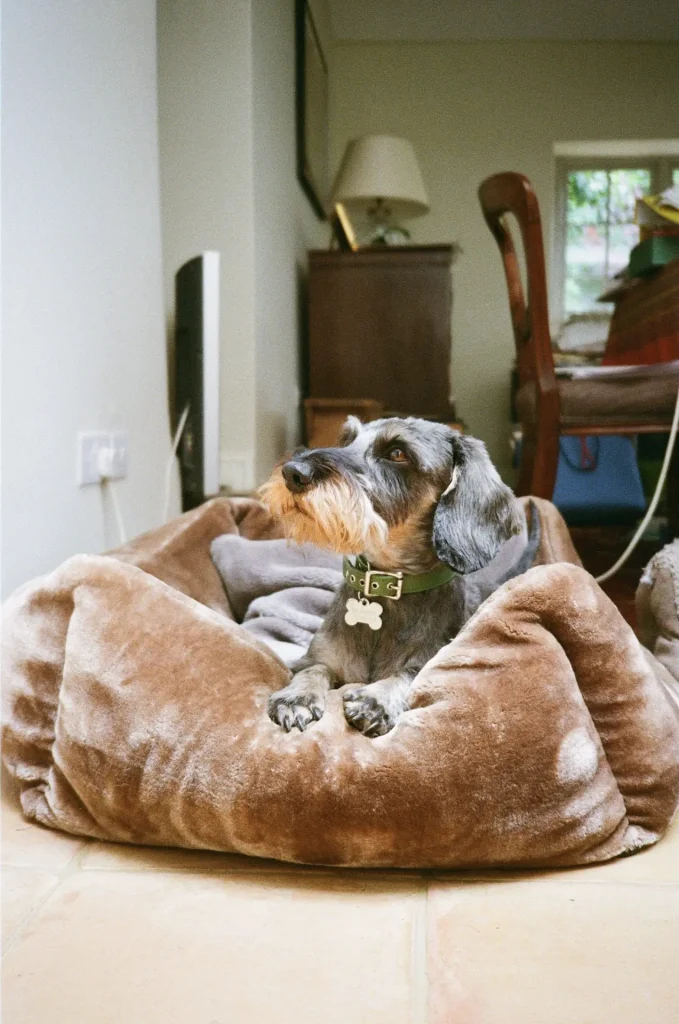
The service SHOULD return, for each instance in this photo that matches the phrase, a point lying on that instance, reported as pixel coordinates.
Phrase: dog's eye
(397, 455)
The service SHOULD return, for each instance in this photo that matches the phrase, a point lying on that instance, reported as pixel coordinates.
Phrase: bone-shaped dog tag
(368, 613)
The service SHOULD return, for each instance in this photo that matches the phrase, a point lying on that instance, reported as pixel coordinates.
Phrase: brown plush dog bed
(135, 710)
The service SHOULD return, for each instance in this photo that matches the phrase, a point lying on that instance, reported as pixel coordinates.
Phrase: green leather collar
(374, 583)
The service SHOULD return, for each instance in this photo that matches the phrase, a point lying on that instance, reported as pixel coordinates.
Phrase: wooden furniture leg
(539, 463)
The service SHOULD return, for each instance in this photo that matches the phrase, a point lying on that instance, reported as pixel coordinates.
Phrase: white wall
(227, 131)
(207, 198)
(285, 228)
(472, 109)
(82, 339)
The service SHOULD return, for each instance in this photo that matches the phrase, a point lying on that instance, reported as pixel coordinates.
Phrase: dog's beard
(333, 514)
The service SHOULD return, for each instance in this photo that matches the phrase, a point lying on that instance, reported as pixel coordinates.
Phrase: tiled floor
(102, 934)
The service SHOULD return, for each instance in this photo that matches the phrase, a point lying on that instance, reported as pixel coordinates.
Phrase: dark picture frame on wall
(311, 88)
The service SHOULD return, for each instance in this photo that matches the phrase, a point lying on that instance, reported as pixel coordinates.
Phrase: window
(600, 231)
(595, 228)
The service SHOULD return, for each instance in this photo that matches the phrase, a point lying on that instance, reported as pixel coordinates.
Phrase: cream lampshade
(380, 177)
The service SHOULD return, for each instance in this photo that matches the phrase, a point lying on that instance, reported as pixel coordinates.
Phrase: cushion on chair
(639, 395)
(135, 710)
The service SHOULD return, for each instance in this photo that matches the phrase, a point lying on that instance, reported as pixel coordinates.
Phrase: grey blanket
(281, 591)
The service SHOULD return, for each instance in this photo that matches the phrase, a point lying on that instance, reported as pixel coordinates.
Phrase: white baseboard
(237, 472)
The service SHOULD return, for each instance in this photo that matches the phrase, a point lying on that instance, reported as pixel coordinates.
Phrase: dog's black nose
(298, 475)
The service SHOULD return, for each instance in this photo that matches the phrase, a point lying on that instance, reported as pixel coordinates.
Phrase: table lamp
(379, 179)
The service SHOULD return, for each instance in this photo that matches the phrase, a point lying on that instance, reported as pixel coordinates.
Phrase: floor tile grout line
(300, 871)
(654, 883)
(383, 877)
(72, 866)
(400, 881)
(283, 868)
(419, 987)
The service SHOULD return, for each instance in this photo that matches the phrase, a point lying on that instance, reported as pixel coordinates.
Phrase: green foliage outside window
(600, 231)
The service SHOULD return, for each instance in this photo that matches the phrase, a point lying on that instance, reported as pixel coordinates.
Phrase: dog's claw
(363, 712)
(293, 710)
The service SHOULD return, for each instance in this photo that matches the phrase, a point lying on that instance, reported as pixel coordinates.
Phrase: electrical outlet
(119, 454)
(96, 448)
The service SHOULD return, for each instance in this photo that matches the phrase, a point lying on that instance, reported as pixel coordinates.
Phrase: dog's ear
(476, 513)
(351, 428)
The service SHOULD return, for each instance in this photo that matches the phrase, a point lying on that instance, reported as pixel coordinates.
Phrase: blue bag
(598, 481)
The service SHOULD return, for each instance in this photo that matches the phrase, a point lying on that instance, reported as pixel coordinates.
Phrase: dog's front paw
(367, 713)
(291, 709)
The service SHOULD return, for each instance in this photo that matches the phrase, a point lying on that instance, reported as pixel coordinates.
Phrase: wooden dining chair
(605, 400)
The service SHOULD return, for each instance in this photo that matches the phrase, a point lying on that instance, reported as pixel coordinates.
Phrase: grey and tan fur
(409, 495)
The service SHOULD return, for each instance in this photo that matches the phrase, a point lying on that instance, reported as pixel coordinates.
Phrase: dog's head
(407, 493)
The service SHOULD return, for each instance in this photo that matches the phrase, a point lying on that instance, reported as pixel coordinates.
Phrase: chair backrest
(513, 193)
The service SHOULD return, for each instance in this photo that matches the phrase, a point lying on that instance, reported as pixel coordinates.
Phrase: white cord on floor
(654, 501)
(170, 462)
(110, 486)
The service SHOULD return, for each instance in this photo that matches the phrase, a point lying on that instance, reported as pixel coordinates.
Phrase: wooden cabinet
(379, 328)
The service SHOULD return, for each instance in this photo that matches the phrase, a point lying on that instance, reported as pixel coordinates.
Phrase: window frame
(661, 168)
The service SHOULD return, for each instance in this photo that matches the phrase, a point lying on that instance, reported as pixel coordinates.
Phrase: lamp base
(384, 230)
(389, 234)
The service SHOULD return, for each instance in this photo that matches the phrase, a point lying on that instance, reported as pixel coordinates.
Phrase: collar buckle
(369, 587)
